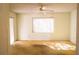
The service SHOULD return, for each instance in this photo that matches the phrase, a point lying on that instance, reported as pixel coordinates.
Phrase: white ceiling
(32, 7)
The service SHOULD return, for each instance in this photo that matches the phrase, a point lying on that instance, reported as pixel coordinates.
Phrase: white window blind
(11, 24)
(43, 25)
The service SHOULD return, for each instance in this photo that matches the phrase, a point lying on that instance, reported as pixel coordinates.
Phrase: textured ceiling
(53, 7)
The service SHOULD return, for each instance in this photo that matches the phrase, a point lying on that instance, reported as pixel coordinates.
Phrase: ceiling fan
(44, 8)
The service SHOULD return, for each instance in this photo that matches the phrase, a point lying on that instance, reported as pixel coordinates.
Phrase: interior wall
(77, 33)
(4, 28)
(61, 27)
(73, 26)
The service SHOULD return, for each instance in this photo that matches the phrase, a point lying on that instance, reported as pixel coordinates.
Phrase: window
(43, 25)
(11, 24)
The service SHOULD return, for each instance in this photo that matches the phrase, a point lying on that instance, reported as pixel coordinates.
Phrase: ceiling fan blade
(42, 8)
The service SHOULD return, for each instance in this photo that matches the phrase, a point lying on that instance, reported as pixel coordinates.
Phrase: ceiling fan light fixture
(42, 8)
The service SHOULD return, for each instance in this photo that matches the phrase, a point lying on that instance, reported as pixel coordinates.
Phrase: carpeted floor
(41, 47)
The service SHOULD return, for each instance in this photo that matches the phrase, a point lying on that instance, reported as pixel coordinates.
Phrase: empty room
(38, 28)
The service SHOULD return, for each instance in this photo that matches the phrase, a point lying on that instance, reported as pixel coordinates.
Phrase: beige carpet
(41, 47)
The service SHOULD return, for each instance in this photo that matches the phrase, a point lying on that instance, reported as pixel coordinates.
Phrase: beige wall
(5, 14)
(4, 28)
(73, 26)
(61, 27)
(77, 33)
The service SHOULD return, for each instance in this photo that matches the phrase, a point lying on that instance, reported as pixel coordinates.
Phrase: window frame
(12, 29)
(42, 32)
